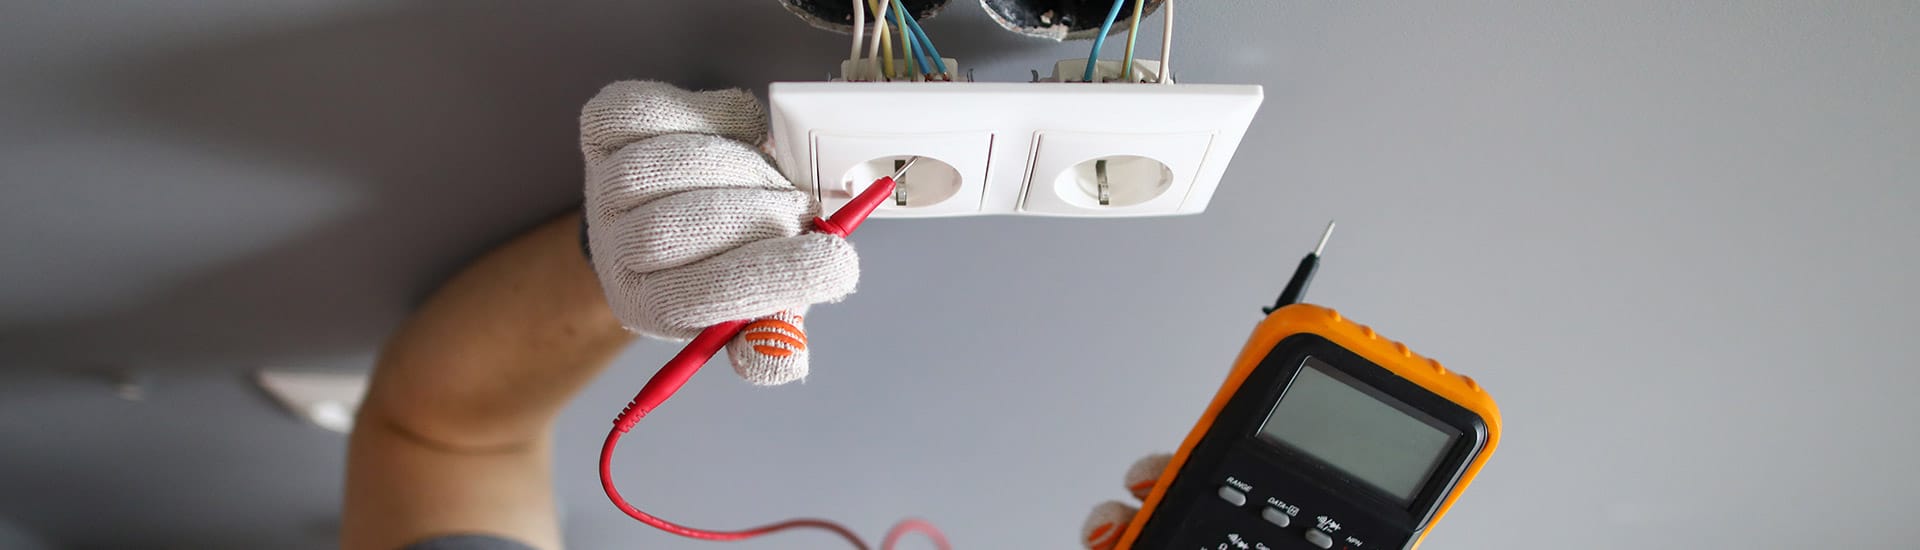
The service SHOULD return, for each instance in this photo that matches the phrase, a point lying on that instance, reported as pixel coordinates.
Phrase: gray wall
(14, 537)
(1676, 242)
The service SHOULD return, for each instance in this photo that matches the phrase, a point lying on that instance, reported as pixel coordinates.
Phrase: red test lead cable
(703, 347)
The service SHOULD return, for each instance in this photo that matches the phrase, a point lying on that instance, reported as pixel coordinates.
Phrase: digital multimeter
(1325, 435)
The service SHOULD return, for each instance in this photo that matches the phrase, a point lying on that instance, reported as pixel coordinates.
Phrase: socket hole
(1130, 180)
(928, 183)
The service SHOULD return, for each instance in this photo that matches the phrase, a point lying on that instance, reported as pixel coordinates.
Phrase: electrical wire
(926, 43)
(606, 484)
(880, 50)
(906, 43)
(913, 525)
(1133, 33)
(859, 32)
(931, 63)
(1093, 59)
(1166, 42)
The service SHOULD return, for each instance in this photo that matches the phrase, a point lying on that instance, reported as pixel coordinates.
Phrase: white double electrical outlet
(1048, 149)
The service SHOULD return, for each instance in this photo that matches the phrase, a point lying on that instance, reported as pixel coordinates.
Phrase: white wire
(1166, 42)
(859, 31)
(879, 34)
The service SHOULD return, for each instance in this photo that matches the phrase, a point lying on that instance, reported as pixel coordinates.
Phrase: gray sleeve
(468, 542)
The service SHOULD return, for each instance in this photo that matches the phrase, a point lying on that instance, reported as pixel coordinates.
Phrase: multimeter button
(1319, 538)
(1276, 517)
(1233, 496)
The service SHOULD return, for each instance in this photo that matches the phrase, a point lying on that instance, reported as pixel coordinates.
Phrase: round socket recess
(1128, 180)
(929, 182)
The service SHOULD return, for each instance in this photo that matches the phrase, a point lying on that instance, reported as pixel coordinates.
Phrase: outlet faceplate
(1014, 148)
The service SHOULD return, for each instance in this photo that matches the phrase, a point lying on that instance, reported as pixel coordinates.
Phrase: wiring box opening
(837, 15)
(1058, 19)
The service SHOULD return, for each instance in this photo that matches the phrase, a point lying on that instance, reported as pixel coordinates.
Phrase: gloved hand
(689, 225)
(1108, 520)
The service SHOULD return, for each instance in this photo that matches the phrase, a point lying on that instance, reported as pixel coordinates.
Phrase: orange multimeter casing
(1325, 435)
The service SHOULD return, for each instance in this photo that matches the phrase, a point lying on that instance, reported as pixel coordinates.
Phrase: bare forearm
(496, 352)
(455, 435)
(401, 491)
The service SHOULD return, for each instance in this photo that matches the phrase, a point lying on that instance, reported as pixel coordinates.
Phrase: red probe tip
(855, 212)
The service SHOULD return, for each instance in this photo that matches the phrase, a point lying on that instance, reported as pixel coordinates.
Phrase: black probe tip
(1302, 275)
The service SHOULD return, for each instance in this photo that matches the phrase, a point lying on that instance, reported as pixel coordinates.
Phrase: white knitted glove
(1109, 520)
(688, 225)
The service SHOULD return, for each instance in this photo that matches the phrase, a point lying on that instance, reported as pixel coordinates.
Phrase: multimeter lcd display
(1334, 419)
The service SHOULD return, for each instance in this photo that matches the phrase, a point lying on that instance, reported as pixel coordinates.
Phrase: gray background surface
(1676, 241)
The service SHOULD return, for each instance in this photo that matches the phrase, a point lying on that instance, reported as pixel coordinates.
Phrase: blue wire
(1093, 59)
(927, 42)
(919, 63)
(913, 61)
(910, 50)
(920, 37)
(919, 52)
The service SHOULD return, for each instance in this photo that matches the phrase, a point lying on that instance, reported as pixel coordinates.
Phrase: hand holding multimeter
(1325, 435)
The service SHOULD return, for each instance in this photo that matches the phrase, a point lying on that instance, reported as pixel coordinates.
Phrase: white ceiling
(1677, 243)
